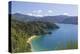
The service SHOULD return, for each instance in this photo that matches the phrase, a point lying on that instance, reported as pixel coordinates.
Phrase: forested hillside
(20, 32)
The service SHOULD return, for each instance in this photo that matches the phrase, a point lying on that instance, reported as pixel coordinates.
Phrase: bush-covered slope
(20, 32)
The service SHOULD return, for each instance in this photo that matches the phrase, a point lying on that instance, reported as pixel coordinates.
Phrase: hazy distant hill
(71, 20)
(22, 17)
(58, 19)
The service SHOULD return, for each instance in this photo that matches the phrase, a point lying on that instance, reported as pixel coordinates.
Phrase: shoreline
(30, 39)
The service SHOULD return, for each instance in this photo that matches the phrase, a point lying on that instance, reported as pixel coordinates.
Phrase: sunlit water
(58, 38)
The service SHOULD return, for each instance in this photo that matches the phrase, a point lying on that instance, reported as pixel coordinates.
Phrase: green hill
(20, 32)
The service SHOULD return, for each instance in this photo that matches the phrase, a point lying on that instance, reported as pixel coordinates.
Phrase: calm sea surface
(59, 38)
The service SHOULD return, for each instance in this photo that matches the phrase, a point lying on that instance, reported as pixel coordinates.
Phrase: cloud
(39, 11)
(34, 11)
(30, 14)
(38, 15)
(46, 14)
(50, 11)
(33, 14)
(65, 13)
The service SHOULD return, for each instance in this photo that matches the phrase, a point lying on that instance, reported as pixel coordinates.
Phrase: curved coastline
(30, 39)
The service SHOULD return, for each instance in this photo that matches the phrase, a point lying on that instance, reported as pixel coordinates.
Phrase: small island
(23, 32)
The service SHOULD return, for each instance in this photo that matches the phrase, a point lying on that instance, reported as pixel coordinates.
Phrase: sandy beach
(30, 39)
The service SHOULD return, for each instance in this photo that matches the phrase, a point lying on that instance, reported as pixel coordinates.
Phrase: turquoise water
(56, 40)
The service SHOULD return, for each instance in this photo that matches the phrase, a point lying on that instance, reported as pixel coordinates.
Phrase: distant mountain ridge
(57, 19)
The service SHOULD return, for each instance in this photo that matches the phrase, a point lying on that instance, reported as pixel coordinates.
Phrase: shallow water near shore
(65, 37)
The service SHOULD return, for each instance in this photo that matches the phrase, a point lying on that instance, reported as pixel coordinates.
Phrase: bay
(59, 39)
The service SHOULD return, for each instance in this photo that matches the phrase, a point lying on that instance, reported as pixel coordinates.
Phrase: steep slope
(21, 31)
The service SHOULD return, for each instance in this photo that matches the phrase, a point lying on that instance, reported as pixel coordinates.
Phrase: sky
(43, 9)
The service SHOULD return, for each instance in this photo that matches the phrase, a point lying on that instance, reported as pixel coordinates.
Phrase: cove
(58, 40)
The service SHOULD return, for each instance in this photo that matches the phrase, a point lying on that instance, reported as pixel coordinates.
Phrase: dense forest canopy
(33, 27)
(21, 31)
